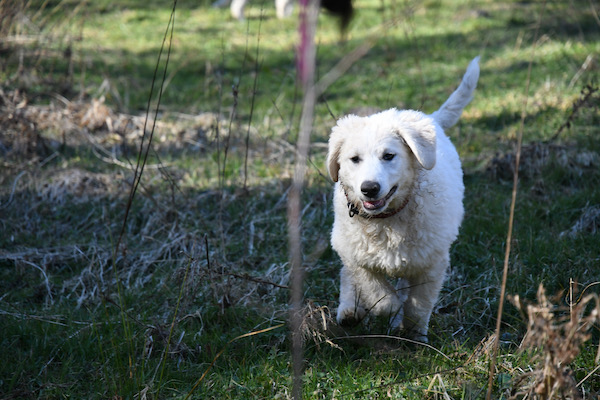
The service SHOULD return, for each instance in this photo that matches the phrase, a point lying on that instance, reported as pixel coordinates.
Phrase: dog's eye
(388, 156)
(355, 159)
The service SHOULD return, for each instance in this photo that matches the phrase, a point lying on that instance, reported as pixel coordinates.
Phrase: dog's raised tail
(449, 113)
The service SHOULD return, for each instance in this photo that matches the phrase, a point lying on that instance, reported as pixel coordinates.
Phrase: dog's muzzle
(353, 209)
(377, 204)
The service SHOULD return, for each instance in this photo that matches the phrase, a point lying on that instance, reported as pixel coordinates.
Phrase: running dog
(398, 203)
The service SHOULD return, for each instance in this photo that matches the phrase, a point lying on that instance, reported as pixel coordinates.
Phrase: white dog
(283, 8)
(398, 205)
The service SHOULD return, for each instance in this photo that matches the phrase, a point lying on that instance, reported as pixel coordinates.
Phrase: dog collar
(354, 210)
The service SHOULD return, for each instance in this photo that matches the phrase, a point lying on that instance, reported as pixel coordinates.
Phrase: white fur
(284, 8)
(414, 243)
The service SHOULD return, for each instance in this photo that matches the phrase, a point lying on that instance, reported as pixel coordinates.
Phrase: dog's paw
(417, 336)
(350, 316)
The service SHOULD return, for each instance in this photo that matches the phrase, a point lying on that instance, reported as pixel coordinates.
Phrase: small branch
(511, 217)
(341, 67)
(587, 93)
(252, 279)
(13, 190)
(306, 69)
(257, 280)
(252, 103)
(46, 280)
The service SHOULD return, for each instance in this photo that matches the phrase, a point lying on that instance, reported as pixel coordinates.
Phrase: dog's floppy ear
(419, 132)
(336, 140)
(333, 156)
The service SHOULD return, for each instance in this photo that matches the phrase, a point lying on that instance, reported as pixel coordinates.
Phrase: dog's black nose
(370, 188)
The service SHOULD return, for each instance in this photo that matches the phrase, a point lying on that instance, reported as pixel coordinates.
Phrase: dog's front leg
(362, 291)
(350, 312)
(424, 292)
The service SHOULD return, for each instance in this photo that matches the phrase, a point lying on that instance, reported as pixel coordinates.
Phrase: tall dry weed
(555, 336)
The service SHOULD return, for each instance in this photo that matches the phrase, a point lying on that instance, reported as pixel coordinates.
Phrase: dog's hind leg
(237, 9)
(284, 8)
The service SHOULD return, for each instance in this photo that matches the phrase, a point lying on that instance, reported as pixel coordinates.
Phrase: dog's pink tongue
(374, 205)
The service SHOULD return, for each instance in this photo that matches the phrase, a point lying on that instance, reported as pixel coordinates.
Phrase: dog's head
(377, 158)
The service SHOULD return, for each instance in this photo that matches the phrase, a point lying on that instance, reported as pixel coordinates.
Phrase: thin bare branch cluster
(589, 98)
(555, 335)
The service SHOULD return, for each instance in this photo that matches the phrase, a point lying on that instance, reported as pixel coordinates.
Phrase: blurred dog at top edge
(340, 8)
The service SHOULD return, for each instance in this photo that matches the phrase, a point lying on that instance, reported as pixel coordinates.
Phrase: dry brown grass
(555, 336)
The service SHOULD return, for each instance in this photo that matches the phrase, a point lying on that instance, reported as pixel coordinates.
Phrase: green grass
(204, 257)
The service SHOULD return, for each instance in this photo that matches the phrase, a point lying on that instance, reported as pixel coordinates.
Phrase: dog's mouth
(379, 204)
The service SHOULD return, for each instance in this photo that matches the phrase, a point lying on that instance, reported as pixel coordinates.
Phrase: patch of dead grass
(555, 336)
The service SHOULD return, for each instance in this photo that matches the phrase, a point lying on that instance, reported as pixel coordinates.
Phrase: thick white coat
(414, 163)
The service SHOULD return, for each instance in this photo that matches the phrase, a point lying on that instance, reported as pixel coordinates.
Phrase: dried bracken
(317, 324)
(555, 335)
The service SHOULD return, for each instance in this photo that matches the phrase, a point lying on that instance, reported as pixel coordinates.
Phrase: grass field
(184, 292)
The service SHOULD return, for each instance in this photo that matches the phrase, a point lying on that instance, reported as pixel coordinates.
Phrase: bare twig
(342, 66)
(587, 64)
(306, 70)
(256, 280)
(141, 162)
(12, 192)
(587, 93)
(252, 101)
(143, 152)
(511, 216)
(46, 280)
